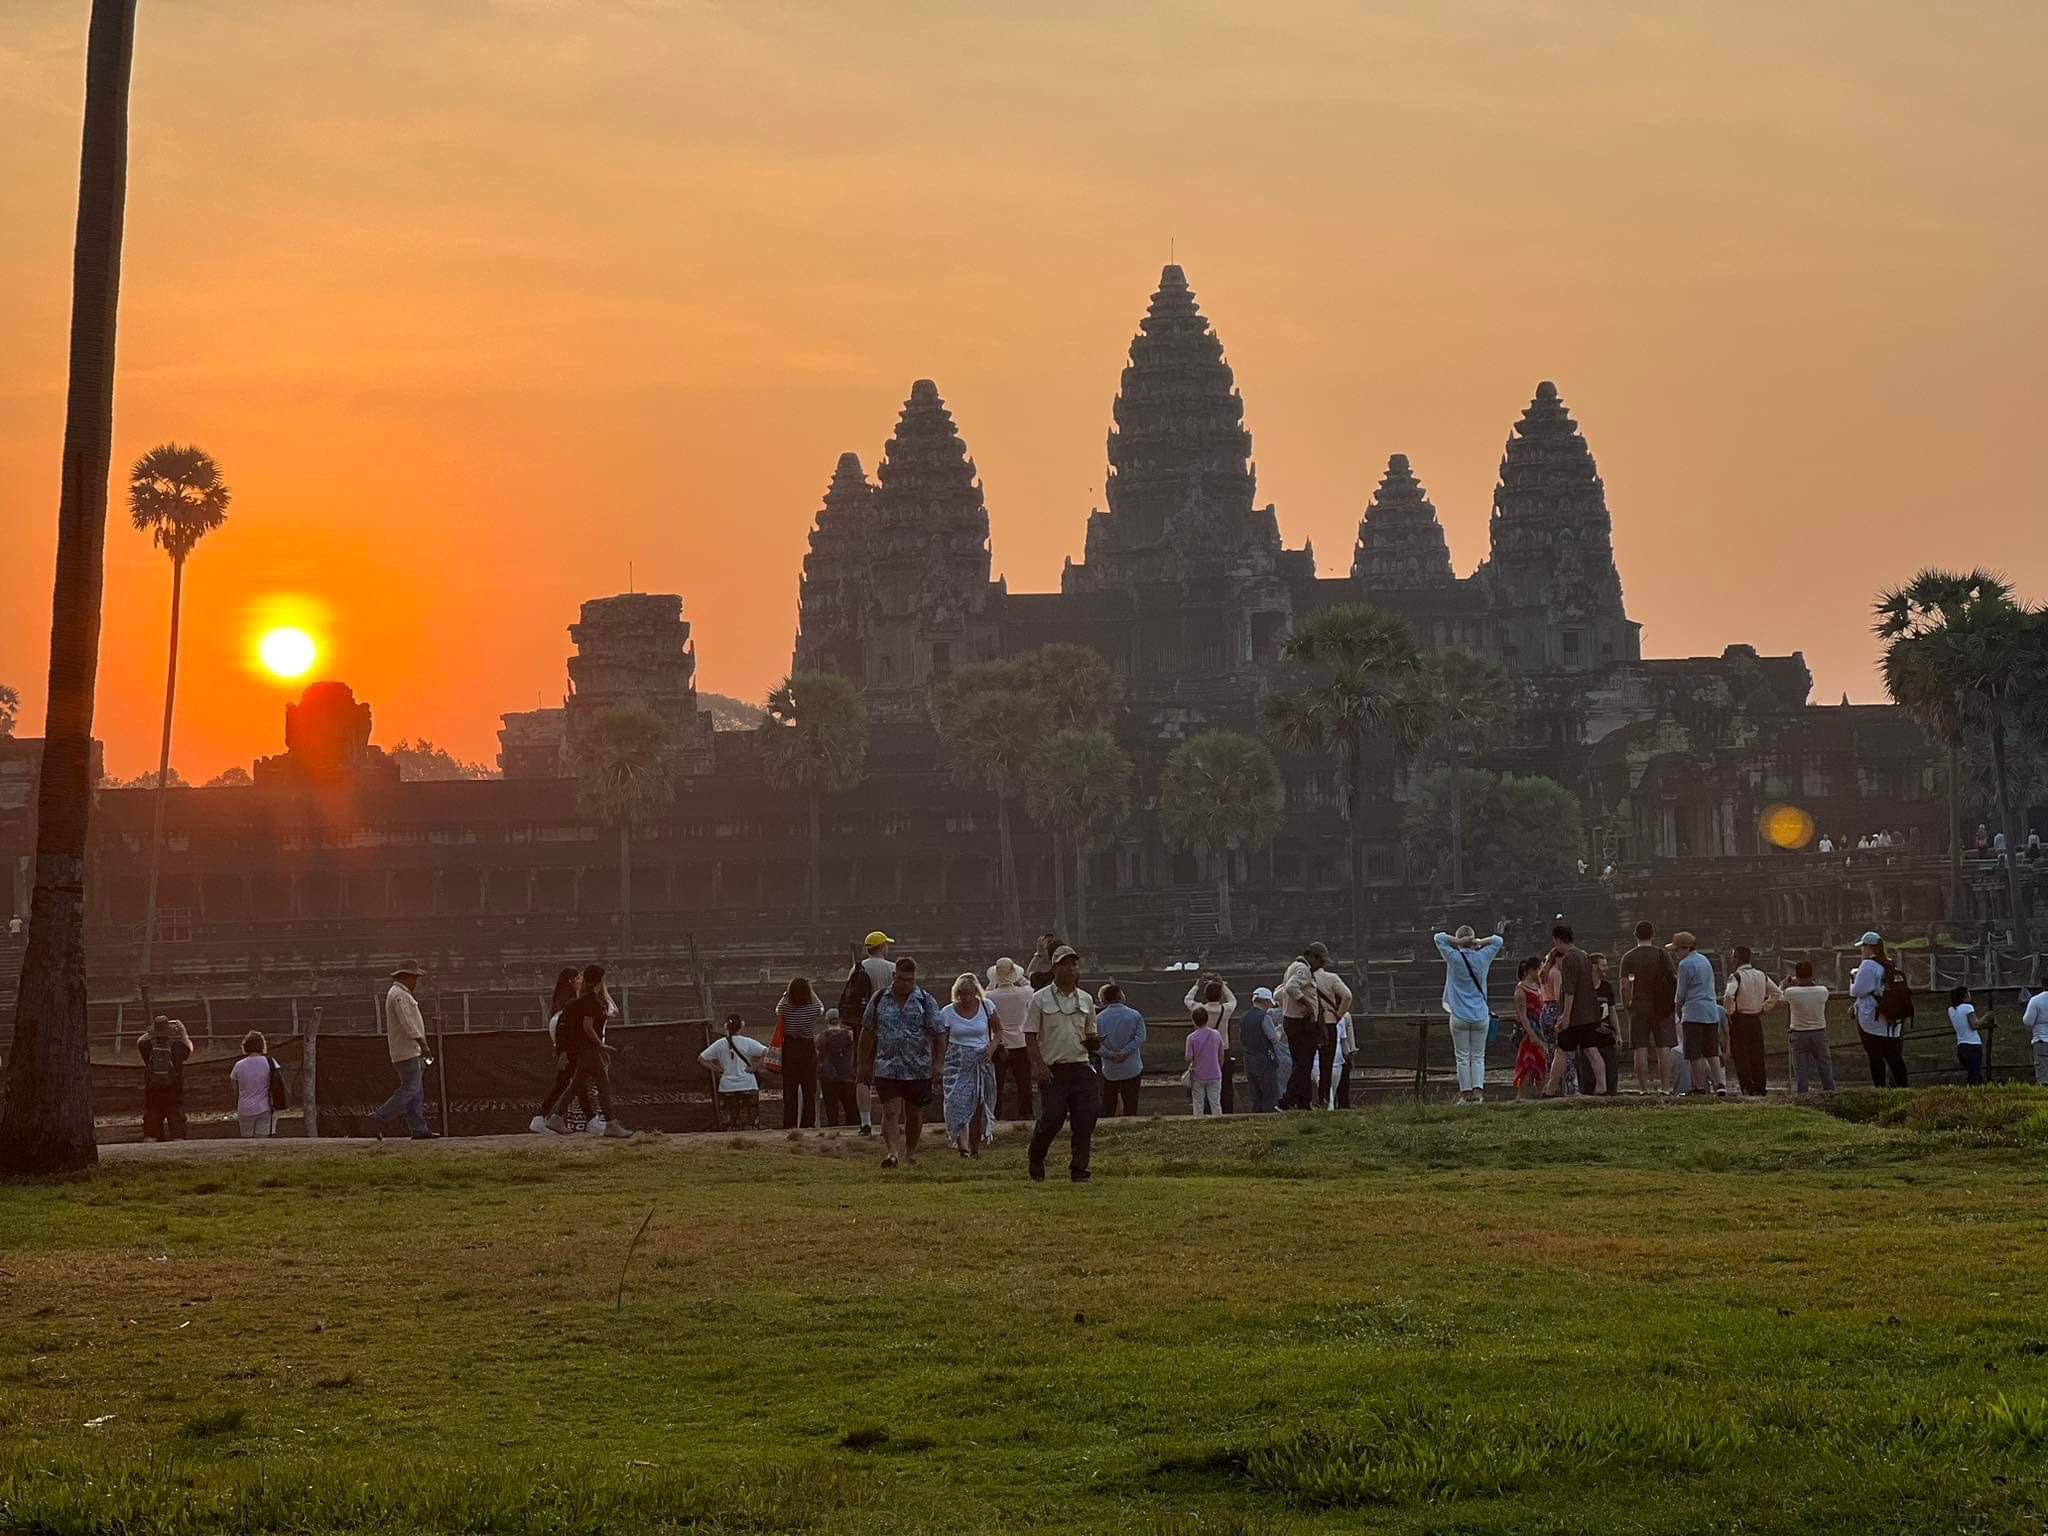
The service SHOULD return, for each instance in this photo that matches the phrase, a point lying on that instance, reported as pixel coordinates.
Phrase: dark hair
(1803, 970)
(800, 990)
(733, 1023)
(1199, 1015)
(1112, 993)
(1645, 932)
(253, 1043)
(1742, 954)
(1597, 958)
(906, 963)
(1562, 932)
(592, 975)
(1958, 995)
(565, 989)
(1526, 966)
(1213, 993)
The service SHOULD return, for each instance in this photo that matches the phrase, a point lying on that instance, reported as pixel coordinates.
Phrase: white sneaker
(596, 1126)
(539, 1126)
(615, 1130)
(555, 1125)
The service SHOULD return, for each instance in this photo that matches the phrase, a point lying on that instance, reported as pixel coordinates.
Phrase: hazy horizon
(476, 305)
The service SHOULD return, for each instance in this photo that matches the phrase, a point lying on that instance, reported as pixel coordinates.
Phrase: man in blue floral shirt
(896, 1037)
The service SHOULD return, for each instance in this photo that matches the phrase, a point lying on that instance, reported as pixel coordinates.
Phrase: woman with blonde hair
(972, 1041)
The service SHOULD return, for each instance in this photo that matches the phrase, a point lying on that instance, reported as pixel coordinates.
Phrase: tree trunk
(1013, 908)
(1080, 887)
(1059, 881)
(817, 883)
(1955, 831)
(1457, 828)
(1354, 856)
(163, 779)
(46, 1113)
(2021, 937)
(1223, 929)
(625, 887)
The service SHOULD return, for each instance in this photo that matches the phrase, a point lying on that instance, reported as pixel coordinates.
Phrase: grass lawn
(1616, 1317)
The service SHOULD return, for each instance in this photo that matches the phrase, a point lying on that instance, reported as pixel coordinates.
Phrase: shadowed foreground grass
(1623, 1317)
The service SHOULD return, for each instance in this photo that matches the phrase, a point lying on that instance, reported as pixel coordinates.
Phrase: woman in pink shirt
(1205, 1063)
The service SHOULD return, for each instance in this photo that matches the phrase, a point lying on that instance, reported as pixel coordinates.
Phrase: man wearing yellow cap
(875, 973)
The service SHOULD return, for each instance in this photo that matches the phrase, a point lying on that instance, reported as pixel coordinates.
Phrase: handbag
(1492, 1018)
(773, 1060)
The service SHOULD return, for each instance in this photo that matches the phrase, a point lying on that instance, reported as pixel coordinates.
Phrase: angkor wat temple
(1187, 587)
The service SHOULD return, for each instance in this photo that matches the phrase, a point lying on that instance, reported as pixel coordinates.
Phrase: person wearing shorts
(1649, 995)
(1699, 1016)
(896, 1038)
(1578, 1012)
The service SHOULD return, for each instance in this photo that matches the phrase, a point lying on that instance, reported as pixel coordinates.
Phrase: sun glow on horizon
(287, 652)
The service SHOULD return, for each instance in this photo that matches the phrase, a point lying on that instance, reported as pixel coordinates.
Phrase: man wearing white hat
(1261, 1043)
(406, 1034)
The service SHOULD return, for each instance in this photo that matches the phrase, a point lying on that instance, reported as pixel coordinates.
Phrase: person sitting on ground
(164, 1048)
(552, 1117)
(1532, 1056)
(1807, 1035)
(1122, 1030)
(251, 1077)
(1962, 1018)
(836, 1067)
(1204, 1053)
(732, 1059)
(1699, 1016)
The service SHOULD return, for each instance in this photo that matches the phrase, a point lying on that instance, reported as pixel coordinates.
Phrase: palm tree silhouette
(815, 743)
(46, 1113)
(1078, 785)
(177, 497)
(1221, 791)
(627, 765)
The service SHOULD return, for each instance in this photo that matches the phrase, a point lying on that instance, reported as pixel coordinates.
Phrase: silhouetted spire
(835, 573)
(1400, 541)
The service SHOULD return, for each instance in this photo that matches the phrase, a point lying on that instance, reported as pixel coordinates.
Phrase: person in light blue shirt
(1699, 1015)
(1122, 1029)
(1466, 959)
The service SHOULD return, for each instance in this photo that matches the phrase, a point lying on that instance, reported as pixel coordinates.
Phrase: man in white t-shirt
(1808, 1036)
(2036, 1018)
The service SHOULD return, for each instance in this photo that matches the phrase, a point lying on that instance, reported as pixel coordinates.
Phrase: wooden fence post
(441, 1064)
(309, 1084)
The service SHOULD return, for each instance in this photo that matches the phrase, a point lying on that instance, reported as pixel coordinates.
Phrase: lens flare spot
(287, 652)
(1787, 826)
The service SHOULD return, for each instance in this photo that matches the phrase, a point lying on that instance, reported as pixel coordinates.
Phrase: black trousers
(1886, 1052)
(558, 1096)
(1308, 1043)
(799, 1083)
(841, 1107)
(163, 1113)
(1229, 1076)
(1072, 1092)
(1120, 1095)
(1746, 1045)
(1013, 1084)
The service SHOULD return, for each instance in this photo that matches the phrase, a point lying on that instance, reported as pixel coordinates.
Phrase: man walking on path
(1312, 998)
(1699, 1016)
(1748, 994)
(1578, 1013)
(1649, 994)
(896, 1058)
(405, 1032)
(1466, 961)
(1122, 1030)
(1060, 1032)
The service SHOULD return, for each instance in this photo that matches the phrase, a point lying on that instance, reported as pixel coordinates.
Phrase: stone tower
(835, 575)
(1550, 577)
(928, 602)
(633, 652)
(1181, 483)
(1400, 542)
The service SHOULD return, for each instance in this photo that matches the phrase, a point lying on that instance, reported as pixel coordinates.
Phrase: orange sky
(478, 301)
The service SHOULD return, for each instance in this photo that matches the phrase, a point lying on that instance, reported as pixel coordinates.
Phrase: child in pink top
(1205, 1064)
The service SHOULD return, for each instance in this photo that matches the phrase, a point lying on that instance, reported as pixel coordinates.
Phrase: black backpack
(853, 997)
(163, 1063)
(1895, 1002)
(280, 1093)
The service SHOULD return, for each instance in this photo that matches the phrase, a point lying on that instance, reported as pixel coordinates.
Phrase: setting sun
(287, 652)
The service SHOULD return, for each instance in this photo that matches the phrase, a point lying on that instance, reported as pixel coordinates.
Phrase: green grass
(1617, 1317)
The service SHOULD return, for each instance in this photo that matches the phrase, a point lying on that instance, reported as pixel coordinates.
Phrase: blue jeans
(409, 1099)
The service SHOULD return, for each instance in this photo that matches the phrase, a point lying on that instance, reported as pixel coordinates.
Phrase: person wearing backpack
(164, 1048)
(252, 1075)
(1883, 1004)
(872, 973)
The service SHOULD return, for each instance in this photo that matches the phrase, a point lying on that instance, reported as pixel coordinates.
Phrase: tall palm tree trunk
(625, 887)
(1013, 908)
(163, 778)
(1955, 830)
(1080, 886)
(1223, 928)
(1059, 881)
(817, 883)
(1457, 827)
(2022, 938)
(46, 1114)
